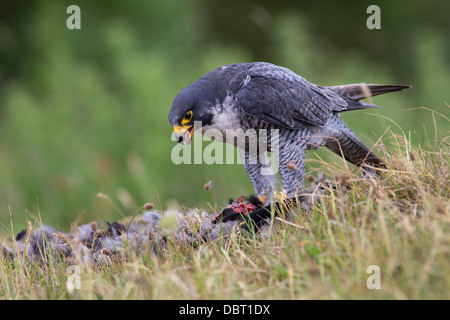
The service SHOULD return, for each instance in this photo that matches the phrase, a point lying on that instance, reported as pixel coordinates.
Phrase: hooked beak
(184, 133)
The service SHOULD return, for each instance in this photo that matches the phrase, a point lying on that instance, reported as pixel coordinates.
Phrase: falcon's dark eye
(187, 117)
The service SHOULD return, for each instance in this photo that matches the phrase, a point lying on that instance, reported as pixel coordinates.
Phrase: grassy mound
(384, 238)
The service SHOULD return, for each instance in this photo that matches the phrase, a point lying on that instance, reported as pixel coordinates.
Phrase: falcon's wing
(279, 96)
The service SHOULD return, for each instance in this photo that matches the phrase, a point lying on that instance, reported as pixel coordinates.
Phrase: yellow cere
(181, 129)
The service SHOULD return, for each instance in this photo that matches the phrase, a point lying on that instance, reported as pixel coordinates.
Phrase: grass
(83, 118)
(398, 222)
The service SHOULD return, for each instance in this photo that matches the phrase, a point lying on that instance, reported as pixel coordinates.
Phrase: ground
(384, 238)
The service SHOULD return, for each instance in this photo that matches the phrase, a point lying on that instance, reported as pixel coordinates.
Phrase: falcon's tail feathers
(351, 149)
(362, 90)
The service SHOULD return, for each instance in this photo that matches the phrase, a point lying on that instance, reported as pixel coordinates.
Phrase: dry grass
(399, 222)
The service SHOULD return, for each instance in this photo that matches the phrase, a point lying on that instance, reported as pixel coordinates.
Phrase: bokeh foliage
(85, 111)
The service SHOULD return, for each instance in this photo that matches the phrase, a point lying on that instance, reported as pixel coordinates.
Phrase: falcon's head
(193, 104)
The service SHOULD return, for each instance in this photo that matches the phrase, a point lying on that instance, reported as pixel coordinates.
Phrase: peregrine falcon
(264, 96)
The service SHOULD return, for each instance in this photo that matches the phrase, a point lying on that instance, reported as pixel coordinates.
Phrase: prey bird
(261, 95)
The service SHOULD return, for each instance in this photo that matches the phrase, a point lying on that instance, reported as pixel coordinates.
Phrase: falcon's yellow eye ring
(187, 117)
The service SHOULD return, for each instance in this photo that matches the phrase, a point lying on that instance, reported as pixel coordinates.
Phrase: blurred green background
(85, 111)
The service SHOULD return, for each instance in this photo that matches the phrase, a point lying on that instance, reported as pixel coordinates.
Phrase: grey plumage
(145, 234)
(261, 95)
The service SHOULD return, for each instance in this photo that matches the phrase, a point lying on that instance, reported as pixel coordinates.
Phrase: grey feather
(362, 90)
(262, 95)
(279, 96)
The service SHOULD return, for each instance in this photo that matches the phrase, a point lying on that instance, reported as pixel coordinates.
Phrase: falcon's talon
(262, 198)
(280, 196)
(259, 95)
